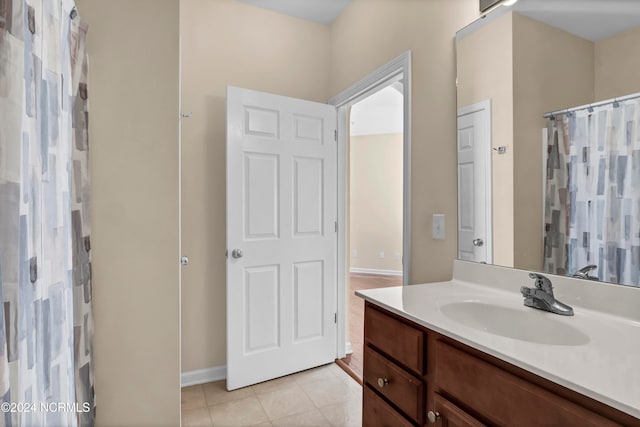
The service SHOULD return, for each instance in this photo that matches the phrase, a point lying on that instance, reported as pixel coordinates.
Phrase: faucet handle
(542, 282)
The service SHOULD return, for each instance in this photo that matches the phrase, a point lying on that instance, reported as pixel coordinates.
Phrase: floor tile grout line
(301, 413)
(210, 417)
(339, 376)
(263, 408)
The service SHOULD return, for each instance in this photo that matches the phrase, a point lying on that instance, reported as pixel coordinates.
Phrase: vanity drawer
(479, 385)
(397, 385)
(377, 413)
(398, 340)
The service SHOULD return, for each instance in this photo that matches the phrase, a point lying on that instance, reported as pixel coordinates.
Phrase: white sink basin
(526, 325)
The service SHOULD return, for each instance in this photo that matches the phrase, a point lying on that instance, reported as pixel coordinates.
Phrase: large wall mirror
(549, 138)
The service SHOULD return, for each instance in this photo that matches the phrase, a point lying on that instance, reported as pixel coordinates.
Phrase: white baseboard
(375, 271)
(348, 347)
(202, 376)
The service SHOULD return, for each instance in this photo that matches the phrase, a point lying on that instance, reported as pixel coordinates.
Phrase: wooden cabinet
(503, 398)
(395, 385)
(415, 376)
(402, 342)
(379, 413)
(449, 415)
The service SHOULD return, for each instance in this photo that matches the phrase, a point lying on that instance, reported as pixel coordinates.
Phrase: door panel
(309, 130)
(262, 300)
(262, 122)
(308, 196)
(281, 240)
(261, 208)
(474, 190)
(308, 290)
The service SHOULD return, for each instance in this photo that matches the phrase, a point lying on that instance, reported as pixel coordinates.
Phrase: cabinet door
(402, 389)
(401, 342)
(504, 399)
(452, 416)
(377, 413)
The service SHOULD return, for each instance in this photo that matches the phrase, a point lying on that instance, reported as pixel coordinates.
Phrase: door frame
(487, 142)
(393, 71)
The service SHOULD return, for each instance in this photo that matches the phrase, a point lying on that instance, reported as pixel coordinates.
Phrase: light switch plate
(438, 227)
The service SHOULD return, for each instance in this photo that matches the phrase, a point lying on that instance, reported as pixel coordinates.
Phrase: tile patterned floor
(324, 396)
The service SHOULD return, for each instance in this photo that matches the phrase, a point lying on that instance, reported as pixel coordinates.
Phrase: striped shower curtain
(46, 326)
(592, 206)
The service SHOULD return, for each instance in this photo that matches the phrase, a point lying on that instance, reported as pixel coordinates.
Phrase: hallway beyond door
(353, 363)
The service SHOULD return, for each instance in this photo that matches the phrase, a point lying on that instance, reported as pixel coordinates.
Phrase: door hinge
(335, 317)
(335, 226)
(335, 135)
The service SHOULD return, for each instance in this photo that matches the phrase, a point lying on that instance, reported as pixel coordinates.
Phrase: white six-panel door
(281, 236)
(474, 183)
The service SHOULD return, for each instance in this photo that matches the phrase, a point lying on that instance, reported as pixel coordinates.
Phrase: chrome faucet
(583, 273)
(541, 297)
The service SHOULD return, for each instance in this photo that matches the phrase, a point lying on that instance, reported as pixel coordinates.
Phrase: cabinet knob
(382, 382)
(433, 416)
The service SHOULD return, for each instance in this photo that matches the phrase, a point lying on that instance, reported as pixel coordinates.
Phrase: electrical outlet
(381, 254)
(438, 227)
(397, 256)
(354, 253)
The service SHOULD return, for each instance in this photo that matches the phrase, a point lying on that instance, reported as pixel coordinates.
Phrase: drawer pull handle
(433, 416)
(382, 382)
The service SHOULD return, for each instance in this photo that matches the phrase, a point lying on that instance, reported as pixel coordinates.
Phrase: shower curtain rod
(595, 104)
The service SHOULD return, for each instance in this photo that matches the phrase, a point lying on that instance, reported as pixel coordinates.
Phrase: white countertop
(604, 365)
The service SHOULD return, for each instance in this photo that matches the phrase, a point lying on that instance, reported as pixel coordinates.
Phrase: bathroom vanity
(468, 353)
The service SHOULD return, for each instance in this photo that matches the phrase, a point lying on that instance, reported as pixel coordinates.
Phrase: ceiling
(320, 11)
(590, 19)
(379, 113)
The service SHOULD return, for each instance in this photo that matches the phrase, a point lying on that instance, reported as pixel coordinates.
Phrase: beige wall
(376, 201)
(229, 43)
(133, 86)
(552, 69)
(485, 71)
(370, 33)
(225, 42)
(617, 61)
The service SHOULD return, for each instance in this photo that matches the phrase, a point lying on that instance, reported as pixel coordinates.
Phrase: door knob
(478, 242)
(236, 253)
(433, 416)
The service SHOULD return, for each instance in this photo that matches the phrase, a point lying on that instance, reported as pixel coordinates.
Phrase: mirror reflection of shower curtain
(592, 204)
(46, 321)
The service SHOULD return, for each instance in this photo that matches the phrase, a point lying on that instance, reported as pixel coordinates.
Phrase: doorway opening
(373, 196)
(375, 205)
